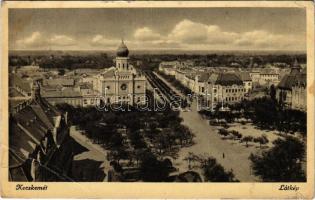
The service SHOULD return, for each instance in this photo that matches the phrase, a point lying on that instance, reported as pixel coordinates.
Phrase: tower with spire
(296, 68)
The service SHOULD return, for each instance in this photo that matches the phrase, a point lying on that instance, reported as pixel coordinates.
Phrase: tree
(153, 170)
(247, 139)
(138, 154)
(116, 140)
(214, 172)
(282, 163)
(61, 72)
(272, 92)
(223, 132)
(261, 140)
(118, 154)
(236, 134)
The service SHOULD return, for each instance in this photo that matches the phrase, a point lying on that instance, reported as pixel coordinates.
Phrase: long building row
(230, 85)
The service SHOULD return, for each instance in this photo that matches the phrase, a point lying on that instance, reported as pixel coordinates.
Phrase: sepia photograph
(153, 94)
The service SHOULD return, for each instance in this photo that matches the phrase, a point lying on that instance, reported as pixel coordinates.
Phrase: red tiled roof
(19, 143)
(288, 81)
(17, 174)
(203, 77)
(25, 85)
(59, 81)
(244, 76)
(108, 74)
(228, 79)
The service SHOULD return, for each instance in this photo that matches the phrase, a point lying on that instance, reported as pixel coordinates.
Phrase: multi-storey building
(122, 83)
(225, 88)
(291, 91)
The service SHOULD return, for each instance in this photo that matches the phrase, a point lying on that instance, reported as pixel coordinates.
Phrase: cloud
(189, 32)
(146, 34)
(34, 39)
(264, 39)
(204, 36)
(100, 40)
(62, 40)
(185, 34)
(37, 40)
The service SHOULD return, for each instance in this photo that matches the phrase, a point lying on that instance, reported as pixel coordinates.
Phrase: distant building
(201, 81)
(22, 86)
(264, 76)
(28, 68)
(64, 95)
(122, 83)
(65, 82)
(291, 91)
(169, 68)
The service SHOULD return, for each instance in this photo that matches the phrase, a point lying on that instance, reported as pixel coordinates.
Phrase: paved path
(95, 152)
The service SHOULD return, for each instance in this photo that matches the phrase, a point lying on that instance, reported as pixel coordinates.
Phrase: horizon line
(112, 50)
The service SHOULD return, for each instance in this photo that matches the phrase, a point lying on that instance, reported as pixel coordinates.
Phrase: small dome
(122, 50)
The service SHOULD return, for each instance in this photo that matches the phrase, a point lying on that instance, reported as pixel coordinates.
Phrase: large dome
(122, 50)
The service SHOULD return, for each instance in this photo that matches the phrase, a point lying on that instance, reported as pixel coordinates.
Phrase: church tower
(122, 57)
(296, 68)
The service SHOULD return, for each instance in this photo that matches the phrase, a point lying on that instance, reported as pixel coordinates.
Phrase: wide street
(209, 143)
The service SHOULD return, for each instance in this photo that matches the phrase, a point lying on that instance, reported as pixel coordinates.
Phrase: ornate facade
(122, 83)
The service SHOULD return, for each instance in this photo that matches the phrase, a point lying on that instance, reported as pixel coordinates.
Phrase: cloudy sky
(158, 28)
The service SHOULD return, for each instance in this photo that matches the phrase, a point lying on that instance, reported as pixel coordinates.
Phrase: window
(108, 87)
(202, 89)
(214, 99)
(138, 86)
(215, 91)
(85, 101)
(227, 90)
(123, 86)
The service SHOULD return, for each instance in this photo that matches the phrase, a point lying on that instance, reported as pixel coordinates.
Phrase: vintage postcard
(165, 99)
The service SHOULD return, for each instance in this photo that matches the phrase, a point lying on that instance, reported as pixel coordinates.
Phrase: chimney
(36, 90)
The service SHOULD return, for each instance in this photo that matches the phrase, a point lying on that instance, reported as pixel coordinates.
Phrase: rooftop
(228, 79)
